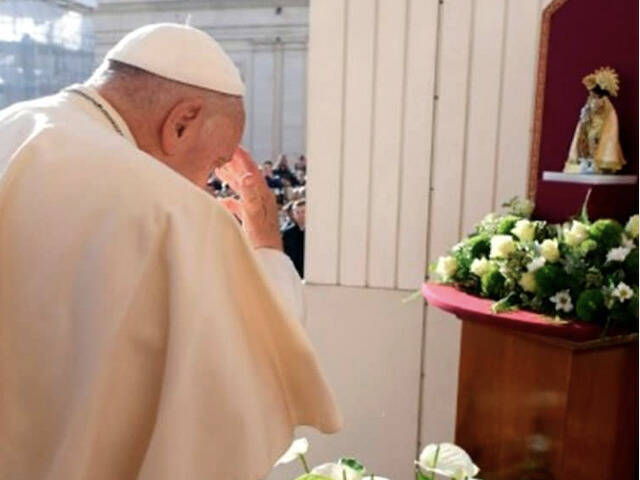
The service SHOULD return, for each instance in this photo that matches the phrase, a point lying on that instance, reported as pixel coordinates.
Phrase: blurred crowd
(287, 179)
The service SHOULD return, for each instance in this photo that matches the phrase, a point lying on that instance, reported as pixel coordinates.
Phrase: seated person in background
(301, 163)
(286, 216)
(293, 236)
(282, 170)
(273, 181)
(301, 175)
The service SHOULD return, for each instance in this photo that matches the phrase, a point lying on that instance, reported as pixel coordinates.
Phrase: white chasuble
(140, 336)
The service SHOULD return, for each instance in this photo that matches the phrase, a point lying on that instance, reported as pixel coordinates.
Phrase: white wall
(419, 117)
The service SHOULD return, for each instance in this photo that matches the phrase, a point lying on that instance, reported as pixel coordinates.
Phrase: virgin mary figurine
(596, 147)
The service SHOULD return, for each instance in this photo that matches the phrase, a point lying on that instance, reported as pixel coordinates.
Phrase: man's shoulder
(100, 166)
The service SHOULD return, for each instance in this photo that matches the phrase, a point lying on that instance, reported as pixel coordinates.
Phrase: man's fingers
(225, 175)
(233, 205)
(243, 162)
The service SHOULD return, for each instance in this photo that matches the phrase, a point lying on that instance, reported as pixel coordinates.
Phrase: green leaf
(413, 296)
(506, 304)
(584, 214)
(352, 463)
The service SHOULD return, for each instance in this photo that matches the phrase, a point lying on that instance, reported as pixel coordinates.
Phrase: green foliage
(492, 284)
(506, 304)
(631, 266)
(582, 268)
(593, 278)
(353, 463)
(479, 246)
(519, 207)
(587, 247)
(590, 306)
(506, 224)
(550, 278)
(607, 233)
(633, 305)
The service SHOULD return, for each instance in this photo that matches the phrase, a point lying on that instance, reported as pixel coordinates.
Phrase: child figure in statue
(596, 147)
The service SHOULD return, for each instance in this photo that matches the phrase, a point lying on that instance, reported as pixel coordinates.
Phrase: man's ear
(182, 125)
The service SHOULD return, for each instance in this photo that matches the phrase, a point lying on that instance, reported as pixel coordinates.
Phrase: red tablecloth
(469, 307)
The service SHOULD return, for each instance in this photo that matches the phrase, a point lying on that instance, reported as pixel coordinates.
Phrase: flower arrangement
(443, 459)
(581, 270)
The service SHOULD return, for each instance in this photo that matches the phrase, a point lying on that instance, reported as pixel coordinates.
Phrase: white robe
(139, 335)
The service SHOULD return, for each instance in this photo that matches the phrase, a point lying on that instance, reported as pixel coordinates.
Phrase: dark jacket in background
(293, 244)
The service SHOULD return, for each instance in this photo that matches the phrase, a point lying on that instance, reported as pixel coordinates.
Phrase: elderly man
(140, 335)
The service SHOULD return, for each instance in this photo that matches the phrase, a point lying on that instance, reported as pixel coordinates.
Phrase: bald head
(193, 130)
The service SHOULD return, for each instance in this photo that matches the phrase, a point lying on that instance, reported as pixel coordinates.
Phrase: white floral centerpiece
(581, 270)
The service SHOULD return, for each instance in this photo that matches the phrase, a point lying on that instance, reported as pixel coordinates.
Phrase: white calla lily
(298, 447)
(336, 471)
(447, 459)
(340, 471)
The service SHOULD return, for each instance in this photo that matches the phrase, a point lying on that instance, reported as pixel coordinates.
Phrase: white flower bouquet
(581, 270)
(445, 460)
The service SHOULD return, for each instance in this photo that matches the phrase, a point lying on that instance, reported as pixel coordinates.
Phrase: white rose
(577, 234)
(502, 246)
(632, 227)
(535, 264)
(528, 282)
(618, 254)
(549, 250)
(525, 230)
(480, 266)
(447, 267)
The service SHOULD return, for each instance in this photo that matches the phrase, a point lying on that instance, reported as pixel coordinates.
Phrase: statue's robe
(140, 335)
(601, 138)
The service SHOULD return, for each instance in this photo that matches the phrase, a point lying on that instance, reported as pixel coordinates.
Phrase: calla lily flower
(298, 447)
(447, 459)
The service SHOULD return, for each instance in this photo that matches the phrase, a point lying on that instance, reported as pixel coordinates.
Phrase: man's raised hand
(257, 208)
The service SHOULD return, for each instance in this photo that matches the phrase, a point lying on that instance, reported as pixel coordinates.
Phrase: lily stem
(305, 465)
(435, 462)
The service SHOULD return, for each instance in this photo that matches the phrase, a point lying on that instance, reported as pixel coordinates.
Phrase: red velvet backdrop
(585, 35)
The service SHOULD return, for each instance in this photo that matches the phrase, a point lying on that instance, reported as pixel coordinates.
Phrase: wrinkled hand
(256, 208)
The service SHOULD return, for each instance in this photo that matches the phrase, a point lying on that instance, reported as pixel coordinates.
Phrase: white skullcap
(181, 53)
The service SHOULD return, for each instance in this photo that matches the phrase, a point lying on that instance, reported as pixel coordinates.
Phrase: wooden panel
(416, 146)
(387, 136)
(324, 138)
(483, 113)
(361, 17)
(523, 21)
(511, 408)
(602, 415)
(443, 331)
(519, 418)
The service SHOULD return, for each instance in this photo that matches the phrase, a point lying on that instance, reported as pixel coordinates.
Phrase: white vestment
(140, 336)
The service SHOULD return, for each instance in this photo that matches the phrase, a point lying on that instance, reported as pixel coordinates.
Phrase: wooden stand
(535, 407)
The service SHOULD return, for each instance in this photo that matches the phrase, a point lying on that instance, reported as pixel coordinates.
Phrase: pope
(146, 331)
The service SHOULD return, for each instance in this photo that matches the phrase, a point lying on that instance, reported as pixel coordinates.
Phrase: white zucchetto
(181, 53)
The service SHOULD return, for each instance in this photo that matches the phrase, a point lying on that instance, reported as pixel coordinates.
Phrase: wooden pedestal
(533, 407)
